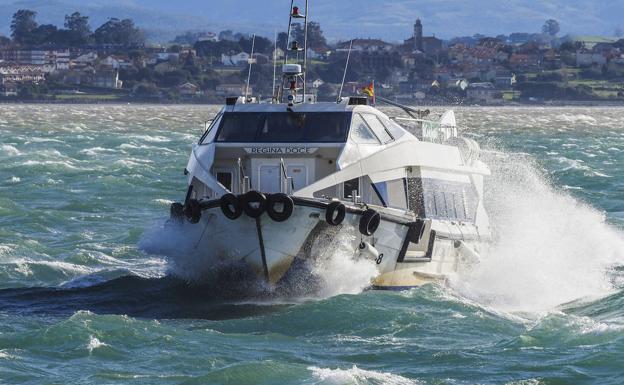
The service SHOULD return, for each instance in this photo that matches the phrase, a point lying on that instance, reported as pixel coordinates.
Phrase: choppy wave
(80, 303)
(549, 247)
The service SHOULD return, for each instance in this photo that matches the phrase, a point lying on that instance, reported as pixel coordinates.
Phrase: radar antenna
(294, 73)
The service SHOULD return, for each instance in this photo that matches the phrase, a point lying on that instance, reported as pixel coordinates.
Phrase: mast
(294, 74)
(253, 43)
(305, 49)
(274, 69)
(344, 74)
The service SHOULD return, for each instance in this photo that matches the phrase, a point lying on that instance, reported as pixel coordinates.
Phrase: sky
(340, 19)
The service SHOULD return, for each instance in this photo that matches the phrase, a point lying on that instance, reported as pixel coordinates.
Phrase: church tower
(418, 36)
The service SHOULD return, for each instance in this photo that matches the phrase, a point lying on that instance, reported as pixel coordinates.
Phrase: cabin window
(392, 193)
(394, 129)
(378, 128)
(350, 186)
(215, 123)
(442, 199)
(225, 178)
(361, 133)
(283, 127)
(238, 127)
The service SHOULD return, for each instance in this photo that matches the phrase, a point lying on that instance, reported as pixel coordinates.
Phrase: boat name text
(281, 150)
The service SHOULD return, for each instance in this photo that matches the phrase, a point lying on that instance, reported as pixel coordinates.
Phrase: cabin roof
(305, 107)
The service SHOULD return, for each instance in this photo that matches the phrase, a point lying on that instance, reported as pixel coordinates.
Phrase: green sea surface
(82, 303)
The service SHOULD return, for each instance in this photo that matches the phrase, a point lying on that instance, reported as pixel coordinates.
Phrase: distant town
(113, 63)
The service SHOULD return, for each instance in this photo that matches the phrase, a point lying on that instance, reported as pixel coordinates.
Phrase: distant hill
(388, 19)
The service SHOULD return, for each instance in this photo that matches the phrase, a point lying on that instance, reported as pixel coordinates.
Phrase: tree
(296, 33)
(551, 27)
(262, 45)
(44, 34)
(227, 35)
(78, 28)
(23, 25)
(119, 32)
(316, 39)
(282, 40)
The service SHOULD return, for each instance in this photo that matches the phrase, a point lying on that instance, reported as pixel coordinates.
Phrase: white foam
(548, 247)
(332, 261)
(94, 151)
(5, 355)
(336, 264)
(356, 376)
(94, 343)
(7, 149)
(25, 265)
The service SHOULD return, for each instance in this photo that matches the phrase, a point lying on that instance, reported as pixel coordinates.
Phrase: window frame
(352, 132)
(382, 126)
(262, 119)
(215, 122)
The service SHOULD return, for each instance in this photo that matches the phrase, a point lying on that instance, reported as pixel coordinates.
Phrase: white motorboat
(267, 180)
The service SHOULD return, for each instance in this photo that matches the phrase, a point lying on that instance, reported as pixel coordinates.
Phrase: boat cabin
(270, 148)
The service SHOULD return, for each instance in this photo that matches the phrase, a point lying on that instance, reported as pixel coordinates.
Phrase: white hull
(269, 248)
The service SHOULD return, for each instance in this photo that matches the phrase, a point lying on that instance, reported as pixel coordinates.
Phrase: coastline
(553, 103)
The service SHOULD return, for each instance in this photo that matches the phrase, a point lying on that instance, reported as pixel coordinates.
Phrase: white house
(484, 93)
(277, 54)
(232, 89)
(317, 83)
(84, 60)
(236, 60)
(111, 62)
(586, 58)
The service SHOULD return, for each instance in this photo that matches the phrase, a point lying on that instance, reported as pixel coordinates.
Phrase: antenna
(292, 3)
(305, 49)
(344, 75)
(253, 43)
(274, 66)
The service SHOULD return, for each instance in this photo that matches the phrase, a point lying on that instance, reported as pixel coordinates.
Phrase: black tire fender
(193, 211)
(176, 211)
(287, 204)
(335, 213)
(369, 222)
(250, 197)
(230, 206)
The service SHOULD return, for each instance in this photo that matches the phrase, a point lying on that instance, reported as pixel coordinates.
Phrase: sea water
(87, 298)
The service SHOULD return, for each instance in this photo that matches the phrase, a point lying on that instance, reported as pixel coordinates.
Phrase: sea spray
(330, 266)
(339, 267)
(548, 248)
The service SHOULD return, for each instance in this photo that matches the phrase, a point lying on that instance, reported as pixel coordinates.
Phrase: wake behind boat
(268, 180)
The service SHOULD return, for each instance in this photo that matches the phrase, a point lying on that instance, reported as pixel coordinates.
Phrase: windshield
(281, 127)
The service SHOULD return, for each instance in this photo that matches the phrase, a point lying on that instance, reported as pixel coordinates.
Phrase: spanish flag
(369, 90)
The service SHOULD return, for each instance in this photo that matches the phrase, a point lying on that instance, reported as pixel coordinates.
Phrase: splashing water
(548, 248)
(331, 260)
(340, 270)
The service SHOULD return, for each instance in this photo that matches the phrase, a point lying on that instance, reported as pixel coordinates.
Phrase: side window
(225, 178)
(392, 193)
(213, 126)
(393, 128)
(442, 199)
(350, 186)
(396, 193)
(378, 128)
(361, 133)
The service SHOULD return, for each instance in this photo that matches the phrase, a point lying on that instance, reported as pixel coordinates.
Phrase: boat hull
(270, 248)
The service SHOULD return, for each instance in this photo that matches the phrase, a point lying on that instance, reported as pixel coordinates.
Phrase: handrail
(285, 174)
